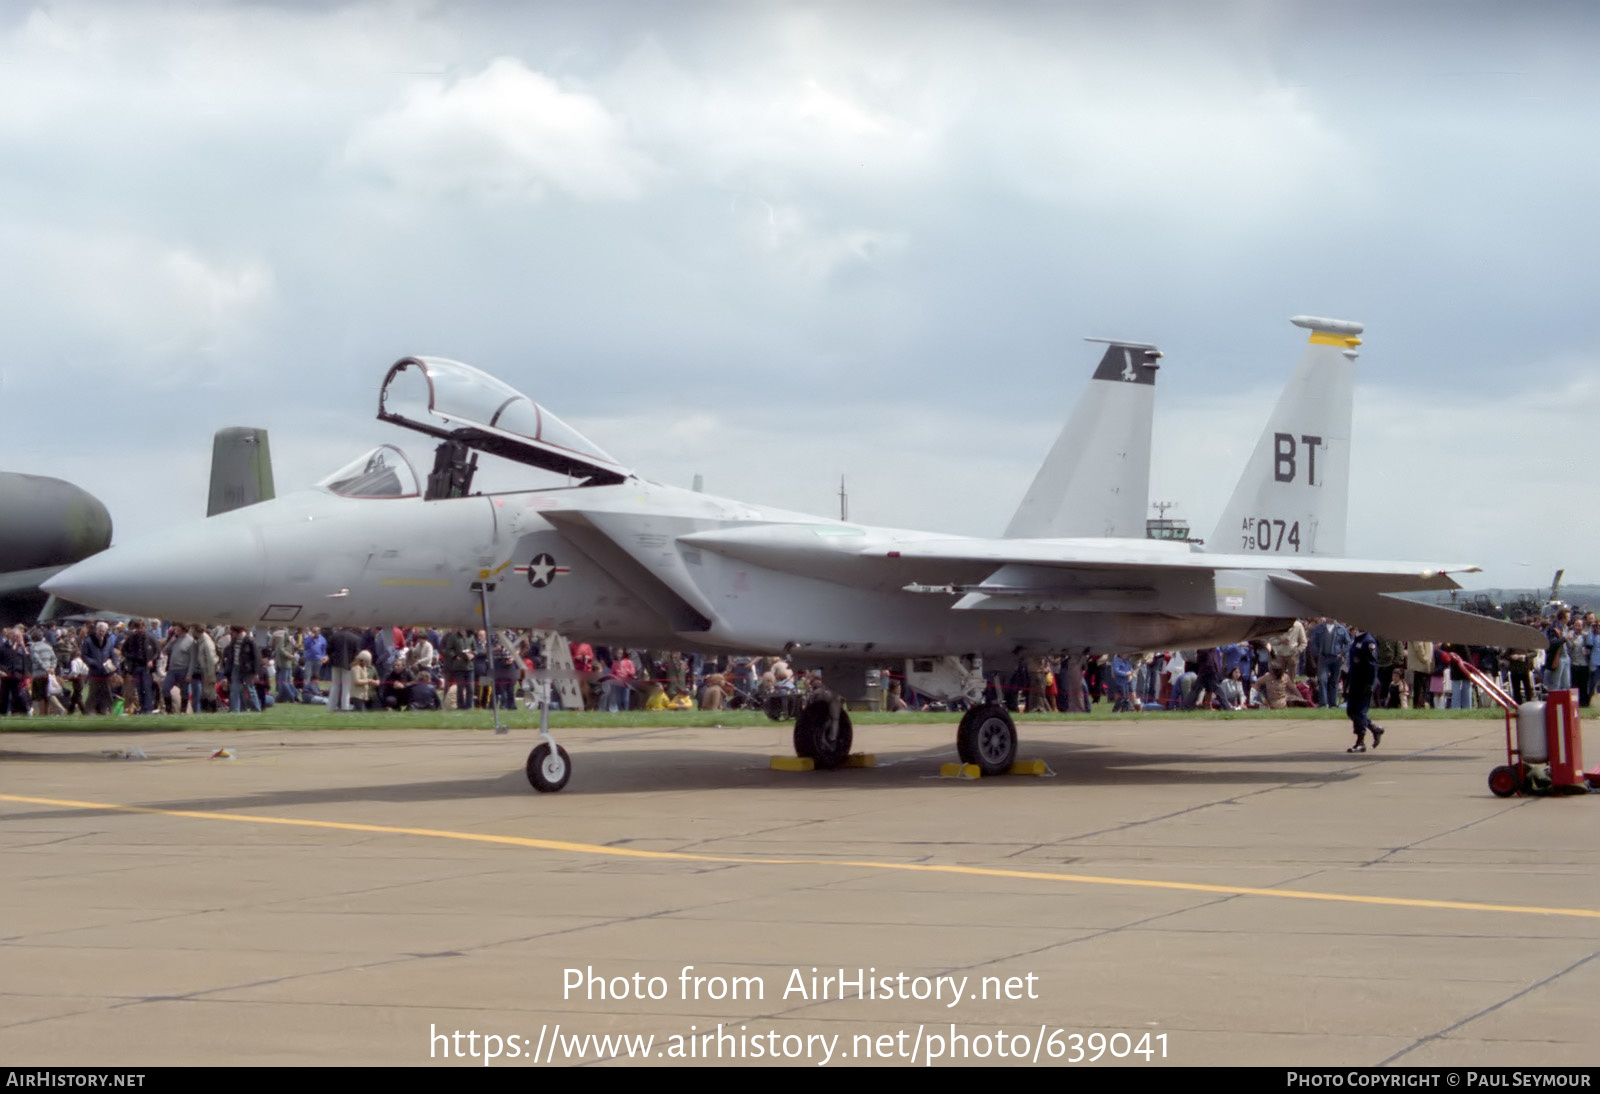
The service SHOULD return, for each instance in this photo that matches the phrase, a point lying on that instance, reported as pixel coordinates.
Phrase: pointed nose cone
(208, 572)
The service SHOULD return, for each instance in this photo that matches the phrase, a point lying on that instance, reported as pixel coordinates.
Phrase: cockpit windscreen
(382, 473)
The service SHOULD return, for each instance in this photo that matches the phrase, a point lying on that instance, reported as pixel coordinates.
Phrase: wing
(1131, 575)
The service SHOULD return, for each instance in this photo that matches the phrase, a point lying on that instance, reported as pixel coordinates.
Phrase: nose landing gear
(549, 766)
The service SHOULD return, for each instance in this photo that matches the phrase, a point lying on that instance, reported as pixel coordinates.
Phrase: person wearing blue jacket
(1121, 684)
(1327, 649)
(314, 647)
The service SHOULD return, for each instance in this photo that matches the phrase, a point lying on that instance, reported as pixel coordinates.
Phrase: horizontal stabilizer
(1409, 620)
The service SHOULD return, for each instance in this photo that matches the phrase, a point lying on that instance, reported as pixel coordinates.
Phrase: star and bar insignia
(541, 571)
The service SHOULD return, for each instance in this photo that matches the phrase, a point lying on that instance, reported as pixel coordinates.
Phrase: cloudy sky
(776, 243)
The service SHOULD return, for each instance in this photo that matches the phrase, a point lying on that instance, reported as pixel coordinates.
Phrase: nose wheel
(549, 768)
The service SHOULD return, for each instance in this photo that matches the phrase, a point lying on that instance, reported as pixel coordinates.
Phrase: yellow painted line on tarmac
(570, 847)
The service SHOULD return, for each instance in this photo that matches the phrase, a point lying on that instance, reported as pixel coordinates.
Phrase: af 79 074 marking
(1258, 534)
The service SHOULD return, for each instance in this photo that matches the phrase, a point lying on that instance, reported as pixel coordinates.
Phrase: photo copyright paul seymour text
(926, 1044)
(1443, 1079)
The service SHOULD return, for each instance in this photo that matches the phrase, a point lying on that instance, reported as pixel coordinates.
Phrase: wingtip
(1152, 350)
(1344, 327)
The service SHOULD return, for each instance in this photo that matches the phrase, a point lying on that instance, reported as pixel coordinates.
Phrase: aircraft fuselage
(615, 563)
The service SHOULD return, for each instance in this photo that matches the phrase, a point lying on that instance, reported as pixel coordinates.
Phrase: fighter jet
(614, 557)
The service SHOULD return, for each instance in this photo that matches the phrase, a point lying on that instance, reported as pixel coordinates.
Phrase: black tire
(1503, 782)
(988, 738)
(549, 771)
(812, 729)
(774, 708)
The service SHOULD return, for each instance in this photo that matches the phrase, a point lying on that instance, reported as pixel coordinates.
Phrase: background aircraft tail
(241, 469)
(1295, 491)
(1096, 479)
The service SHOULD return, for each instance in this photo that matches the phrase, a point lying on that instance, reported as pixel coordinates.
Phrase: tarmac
(1176, 891)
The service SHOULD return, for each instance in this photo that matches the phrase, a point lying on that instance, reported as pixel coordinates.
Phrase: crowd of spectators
(148, 666)
(1307, 666)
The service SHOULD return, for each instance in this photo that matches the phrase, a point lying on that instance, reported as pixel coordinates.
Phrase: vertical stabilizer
(1295, 491)
(241, 469)
(1096, 479)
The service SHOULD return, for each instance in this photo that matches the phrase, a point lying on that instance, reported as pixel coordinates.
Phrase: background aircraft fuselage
(45, 524)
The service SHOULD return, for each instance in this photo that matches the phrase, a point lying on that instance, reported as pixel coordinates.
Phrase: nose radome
(210, 571)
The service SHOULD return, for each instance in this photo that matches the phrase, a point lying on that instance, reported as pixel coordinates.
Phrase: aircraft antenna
(844, 501)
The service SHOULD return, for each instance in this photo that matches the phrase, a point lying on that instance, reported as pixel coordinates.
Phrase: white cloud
(791, 237)
(121, 299)
(1079, 116)
(1145, 125)
(141, 69)
(505, 133)
(1225, 150)
(775, 121)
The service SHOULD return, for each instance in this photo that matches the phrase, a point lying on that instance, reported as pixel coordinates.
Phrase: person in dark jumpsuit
(1358, 697)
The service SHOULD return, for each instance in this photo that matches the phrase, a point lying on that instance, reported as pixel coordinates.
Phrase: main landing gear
(822, 732)
(988, 738)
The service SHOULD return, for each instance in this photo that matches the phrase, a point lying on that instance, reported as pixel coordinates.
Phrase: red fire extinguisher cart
(1544, 741)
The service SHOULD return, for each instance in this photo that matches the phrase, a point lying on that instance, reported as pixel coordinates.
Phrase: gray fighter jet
(614, 557)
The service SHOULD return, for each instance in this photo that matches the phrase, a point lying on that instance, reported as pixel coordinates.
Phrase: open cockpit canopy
(456, 402)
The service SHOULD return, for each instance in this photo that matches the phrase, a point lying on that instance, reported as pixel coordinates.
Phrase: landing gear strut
(988, 738)
(822, 732)
(549, 766)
